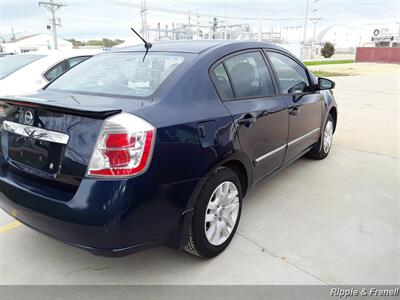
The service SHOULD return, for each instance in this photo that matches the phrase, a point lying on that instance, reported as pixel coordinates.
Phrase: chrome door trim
(304, 136)
(36, 133)
(270, 153)
(258, 159)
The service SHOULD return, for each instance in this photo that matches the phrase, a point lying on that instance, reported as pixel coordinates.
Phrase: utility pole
(315, 19)
(261, 20)
(198, 31)
(398, 36)
(190, 27)
(214, 26)
(305, 30)
(143, 14)
(52, 7)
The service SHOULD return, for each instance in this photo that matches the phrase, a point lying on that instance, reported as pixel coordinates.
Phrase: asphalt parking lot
(335, 221)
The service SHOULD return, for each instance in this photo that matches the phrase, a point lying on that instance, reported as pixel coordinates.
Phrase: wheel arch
(332, 110)
(333, 113)
(240, 170)
(241, 165)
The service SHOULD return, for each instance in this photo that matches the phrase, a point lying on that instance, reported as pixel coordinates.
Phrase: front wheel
(321, 150)
(216, 214)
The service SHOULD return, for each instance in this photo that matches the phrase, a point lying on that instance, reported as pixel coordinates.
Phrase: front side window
(124, 74)
(250, 76)
(12, 63)
(292, 77)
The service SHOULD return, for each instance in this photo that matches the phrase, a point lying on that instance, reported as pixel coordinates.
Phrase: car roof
(193, 46)
(50, 58)
(64, 53)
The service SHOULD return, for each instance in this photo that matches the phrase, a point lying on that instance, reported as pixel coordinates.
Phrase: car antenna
(147, 45)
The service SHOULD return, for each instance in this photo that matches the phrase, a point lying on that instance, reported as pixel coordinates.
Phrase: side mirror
(325, 84)
(298, 88)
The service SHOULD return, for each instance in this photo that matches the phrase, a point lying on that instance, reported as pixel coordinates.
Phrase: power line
(184, 12)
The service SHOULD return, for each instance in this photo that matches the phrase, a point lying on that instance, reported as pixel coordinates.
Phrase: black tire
(198, 243)
(318, 151)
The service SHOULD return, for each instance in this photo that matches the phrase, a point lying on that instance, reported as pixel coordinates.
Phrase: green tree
(97, 43)
(108, 43)
(111, 43)
(76, 43)
(328, 50)
(104, 42)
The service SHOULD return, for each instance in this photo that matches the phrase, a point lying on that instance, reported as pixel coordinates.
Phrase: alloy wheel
(328, 135)
(222, 213)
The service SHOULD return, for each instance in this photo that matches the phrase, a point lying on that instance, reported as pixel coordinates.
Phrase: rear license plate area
(43, 156)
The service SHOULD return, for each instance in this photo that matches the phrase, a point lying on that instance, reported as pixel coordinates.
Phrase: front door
(304, 103)
(260, 115)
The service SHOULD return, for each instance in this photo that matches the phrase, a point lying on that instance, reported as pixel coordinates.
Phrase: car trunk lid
(49, 137)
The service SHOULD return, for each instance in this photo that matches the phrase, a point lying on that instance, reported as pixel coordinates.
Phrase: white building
(35, 42)
(340, 36)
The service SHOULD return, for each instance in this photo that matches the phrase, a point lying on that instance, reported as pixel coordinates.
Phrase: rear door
(305, 104)
(248, 90)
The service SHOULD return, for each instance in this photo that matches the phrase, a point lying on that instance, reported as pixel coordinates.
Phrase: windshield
(11, 63)
(124, 74)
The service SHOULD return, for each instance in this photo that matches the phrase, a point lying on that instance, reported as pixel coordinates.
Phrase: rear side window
(55, 71)
(292, 76)
(249, 75)
(12, 63)
(123, 74)
(223, 81)
(75, 60)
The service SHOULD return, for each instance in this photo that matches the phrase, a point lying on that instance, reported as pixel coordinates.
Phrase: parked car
(126, 152)
(28, 72)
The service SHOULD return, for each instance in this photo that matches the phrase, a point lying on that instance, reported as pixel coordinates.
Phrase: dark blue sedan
(126, 152)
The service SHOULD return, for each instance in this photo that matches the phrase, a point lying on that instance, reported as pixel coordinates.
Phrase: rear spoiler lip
(96, 114)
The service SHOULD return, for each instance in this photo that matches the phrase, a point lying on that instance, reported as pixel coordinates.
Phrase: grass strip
(328, 62)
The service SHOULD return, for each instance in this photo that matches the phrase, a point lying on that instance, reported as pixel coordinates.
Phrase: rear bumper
(53, 228)
(111, 218)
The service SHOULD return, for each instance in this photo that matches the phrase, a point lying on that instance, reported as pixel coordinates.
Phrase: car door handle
(294, 111)
(247, 120)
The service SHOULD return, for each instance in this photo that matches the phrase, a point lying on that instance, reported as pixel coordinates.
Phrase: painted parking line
(9, 226)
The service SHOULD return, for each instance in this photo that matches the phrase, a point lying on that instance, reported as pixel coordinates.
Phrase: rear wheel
(216, 215)
(321, 150)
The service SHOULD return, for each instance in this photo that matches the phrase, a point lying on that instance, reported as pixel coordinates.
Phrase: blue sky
(89, 19)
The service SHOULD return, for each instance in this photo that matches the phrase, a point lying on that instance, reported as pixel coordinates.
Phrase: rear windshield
(11, 63)
(124, 74)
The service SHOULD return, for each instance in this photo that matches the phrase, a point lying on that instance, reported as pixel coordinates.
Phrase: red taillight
(118, 158)
(123, 148)
(120, 140)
